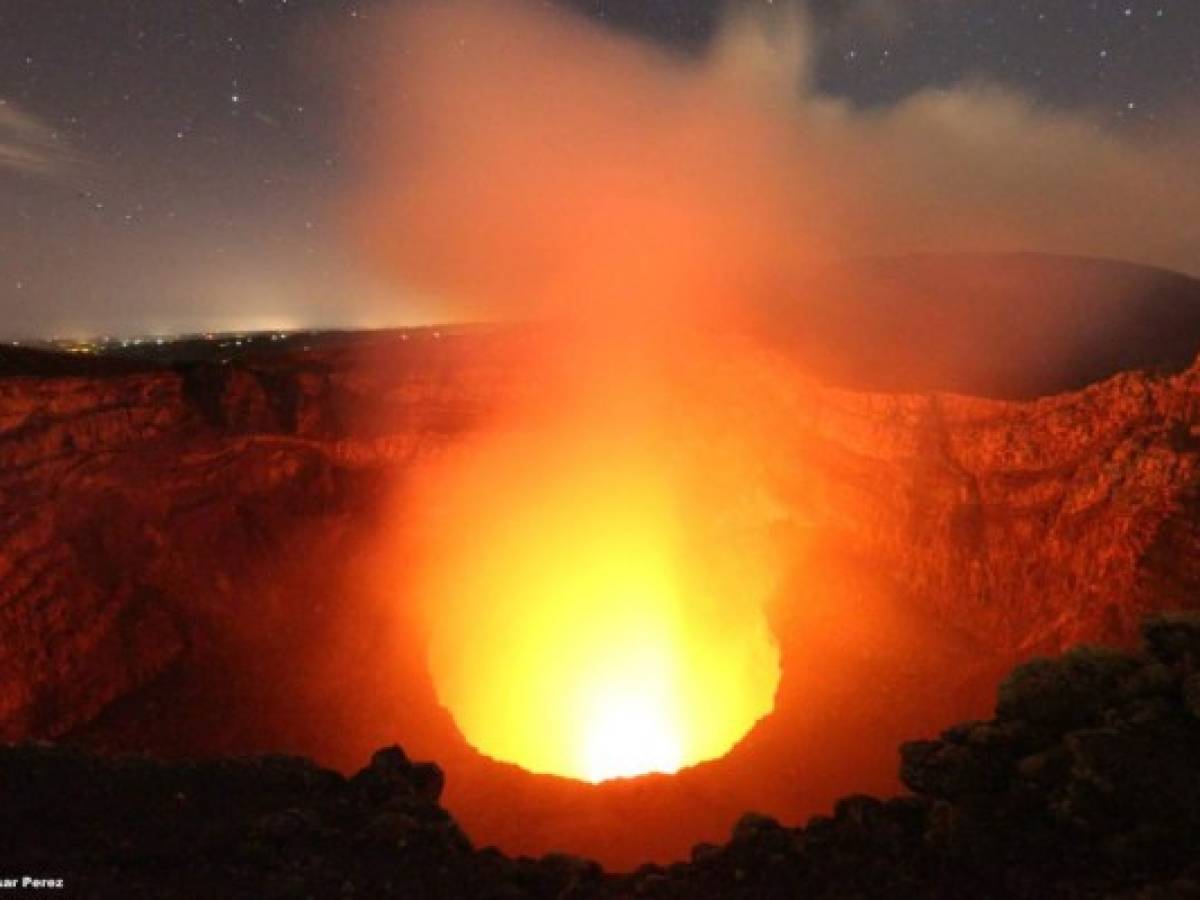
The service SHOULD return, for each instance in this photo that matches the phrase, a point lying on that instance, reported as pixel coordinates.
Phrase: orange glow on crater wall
(593, 563)
(596, 607)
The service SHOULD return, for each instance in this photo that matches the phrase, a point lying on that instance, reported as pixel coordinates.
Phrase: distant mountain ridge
(1007, 326)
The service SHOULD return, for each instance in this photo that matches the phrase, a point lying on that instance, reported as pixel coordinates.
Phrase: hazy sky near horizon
(169, 165)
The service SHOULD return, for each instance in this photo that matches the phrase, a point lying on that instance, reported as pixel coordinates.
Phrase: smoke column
(595, 567)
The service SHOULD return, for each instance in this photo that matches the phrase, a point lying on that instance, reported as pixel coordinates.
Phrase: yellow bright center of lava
(583, 625)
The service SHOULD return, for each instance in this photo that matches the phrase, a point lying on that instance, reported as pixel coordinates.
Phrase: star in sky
(144, 144)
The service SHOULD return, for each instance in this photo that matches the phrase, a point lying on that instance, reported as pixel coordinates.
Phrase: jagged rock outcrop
(1085, 784)
(134, 507)
(1037, 524)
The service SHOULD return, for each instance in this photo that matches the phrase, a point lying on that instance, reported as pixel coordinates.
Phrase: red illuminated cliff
(139, 505)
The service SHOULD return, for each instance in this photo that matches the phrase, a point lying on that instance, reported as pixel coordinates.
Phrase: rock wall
(1034, 524)
(135, 509)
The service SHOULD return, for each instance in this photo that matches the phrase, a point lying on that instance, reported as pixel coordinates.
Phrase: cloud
(31, 147)
(974, 166)
(522, 159)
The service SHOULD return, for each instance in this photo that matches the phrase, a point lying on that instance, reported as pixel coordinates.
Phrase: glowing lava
(586, 618)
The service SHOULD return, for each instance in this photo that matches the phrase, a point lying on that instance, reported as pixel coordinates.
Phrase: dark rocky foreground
(1085, 784)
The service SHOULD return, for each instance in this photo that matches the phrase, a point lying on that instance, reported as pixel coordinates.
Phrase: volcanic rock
(138, 509)
(1042, 807)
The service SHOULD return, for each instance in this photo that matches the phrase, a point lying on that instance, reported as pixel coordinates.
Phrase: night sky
(171, 165)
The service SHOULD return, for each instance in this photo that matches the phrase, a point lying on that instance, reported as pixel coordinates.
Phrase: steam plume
(527, 161)
(524, 164)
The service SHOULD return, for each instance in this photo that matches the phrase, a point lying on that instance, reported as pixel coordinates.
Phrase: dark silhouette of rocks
(1086, 783)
